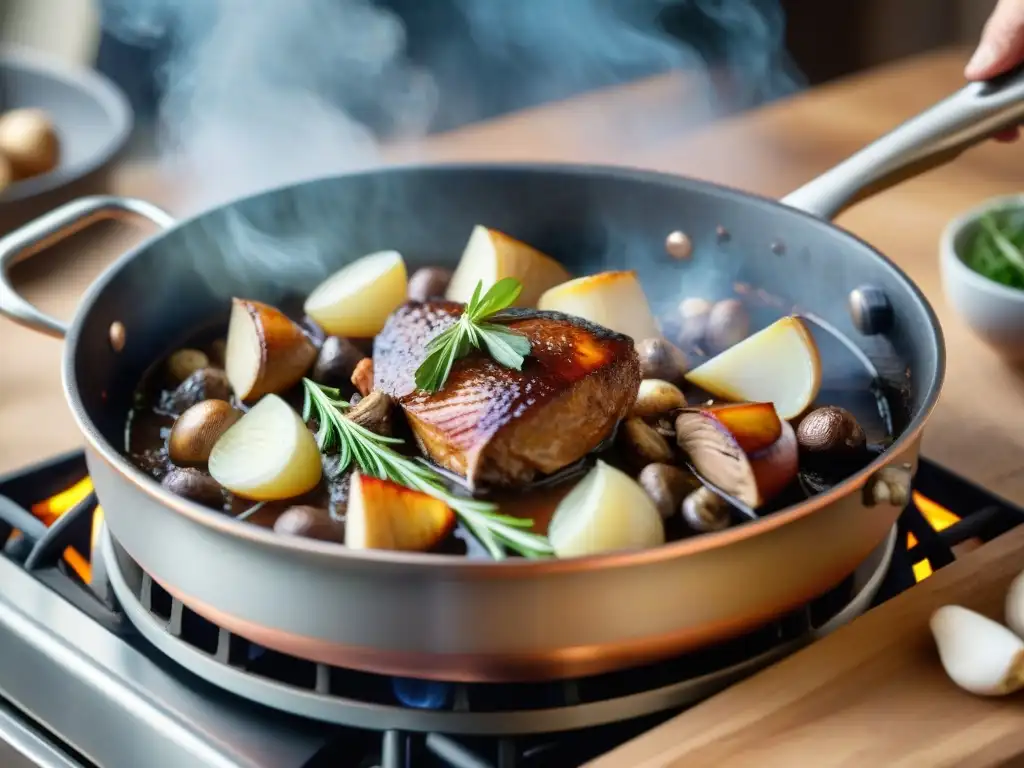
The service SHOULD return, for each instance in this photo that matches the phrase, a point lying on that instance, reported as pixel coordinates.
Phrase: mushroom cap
(197, 429)
(830, 429)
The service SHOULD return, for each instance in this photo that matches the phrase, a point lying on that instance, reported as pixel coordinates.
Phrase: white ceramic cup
(993, 311)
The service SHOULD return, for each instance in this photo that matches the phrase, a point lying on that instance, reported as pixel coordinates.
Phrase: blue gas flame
(421, 694)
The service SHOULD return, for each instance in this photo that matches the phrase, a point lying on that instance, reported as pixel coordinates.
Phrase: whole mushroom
(197, 429)
(830, 431)
(705, 511)
(336, 362)
(309, 522)
(29, 142)
(204, 384)
(657, 398)
(661, 359)
(429, 283)
(728, 324)
(184, 362)
(642, 444)
(197, 486)
(694, 313)
(667, 485)
(373, 412)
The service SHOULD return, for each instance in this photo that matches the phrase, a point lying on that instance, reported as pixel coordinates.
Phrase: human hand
(1001, 48)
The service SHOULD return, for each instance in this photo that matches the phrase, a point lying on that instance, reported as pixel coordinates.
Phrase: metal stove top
(110, 679)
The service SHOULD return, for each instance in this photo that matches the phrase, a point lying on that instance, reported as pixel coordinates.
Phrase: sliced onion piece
(614, 300)
(268, 454)
(491, 256)
(606, 511)
(779, 364)
(356, 300)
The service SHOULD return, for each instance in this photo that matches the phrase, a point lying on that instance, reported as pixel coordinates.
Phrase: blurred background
(824, 39)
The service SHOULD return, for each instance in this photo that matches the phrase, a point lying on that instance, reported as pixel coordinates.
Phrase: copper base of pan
(557, 664)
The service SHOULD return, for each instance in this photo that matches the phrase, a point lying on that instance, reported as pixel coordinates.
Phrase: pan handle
(41, 233)
(936, 136)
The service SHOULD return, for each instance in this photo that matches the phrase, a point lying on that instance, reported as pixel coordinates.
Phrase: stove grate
(367, 700)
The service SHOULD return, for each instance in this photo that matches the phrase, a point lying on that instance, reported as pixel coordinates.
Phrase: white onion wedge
(356, 300)
(268, 454)
(266, 352)
(779, 365)
(606, 511)
(614, 300)
(491, 256)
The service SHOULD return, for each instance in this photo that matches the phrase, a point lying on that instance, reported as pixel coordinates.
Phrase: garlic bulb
(980, 655)
(1015, 605)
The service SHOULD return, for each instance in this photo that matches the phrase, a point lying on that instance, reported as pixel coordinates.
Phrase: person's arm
(1001, 47)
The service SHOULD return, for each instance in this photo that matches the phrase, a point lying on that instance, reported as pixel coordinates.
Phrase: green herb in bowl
(996, 248)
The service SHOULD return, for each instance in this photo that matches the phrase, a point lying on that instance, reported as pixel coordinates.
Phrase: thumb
(1002, 42)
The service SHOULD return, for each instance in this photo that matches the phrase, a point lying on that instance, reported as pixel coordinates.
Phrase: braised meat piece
(499, 427)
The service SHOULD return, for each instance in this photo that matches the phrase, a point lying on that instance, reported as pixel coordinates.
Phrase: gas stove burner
(378, 702)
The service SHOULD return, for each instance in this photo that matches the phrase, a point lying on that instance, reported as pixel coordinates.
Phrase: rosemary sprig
(507, 347)
(373, 455)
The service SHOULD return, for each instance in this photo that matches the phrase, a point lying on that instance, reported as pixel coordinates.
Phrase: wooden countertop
(873, 693)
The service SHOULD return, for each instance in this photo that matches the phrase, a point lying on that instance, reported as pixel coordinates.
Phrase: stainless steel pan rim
(513, 566)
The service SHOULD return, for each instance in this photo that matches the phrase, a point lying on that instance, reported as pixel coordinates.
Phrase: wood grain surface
(871, 694)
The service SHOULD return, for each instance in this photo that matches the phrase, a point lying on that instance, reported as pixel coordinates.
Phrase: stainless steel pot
(440, 617)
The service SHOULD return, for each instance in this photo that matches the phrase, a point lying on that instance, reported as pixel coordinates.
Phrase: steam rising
(260, 93)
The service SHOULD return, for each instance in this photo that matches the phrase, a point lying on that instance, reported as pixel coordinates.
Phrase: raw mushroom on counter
(29, 145)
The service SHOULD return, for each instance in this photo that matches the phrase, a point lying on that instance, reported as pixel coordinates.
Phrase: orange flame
(50, 511)
(939, 518)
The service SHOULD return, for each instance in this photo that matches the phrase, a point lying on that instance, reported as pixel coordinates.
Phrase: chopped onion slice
(268, 454)
(606, 511)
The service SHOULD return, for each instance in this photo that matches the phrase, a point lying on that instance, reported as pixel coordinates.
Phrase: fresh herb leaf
(373, 455)
(501, 295)
(505, 346)
(996, 250)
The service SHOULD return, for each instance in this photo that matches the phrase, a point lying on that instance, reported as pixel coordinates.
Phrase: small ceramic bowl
(993, 311)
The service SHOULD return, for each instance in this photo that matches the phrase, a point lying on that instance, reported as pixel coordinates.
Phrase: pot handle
(51, 228)
(936, 136)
